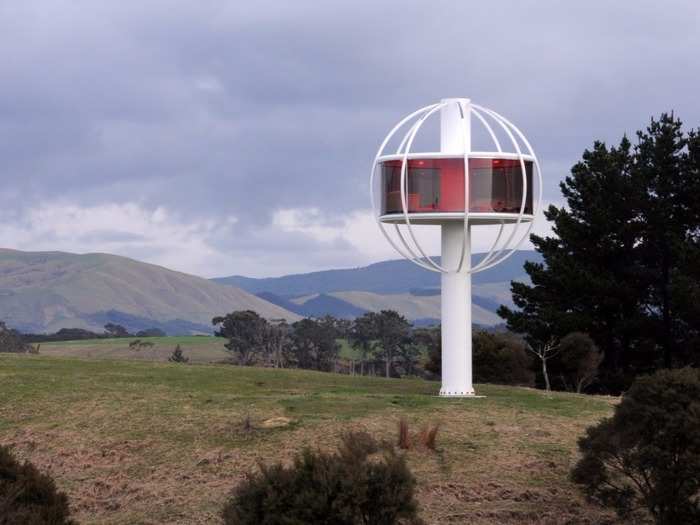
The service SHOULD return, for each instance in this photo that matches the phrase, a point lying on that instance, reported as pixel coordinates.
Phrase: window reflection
(437, 185)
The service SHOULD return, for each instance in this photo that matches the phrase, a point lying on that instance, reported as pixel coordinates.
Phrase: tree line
(111, 331)
(385, 343)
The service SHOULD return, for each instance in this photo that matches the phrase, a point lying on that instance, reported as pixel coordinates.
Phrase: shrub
(502, 359)
(498, 358)
(647, 456)
(348, 487)
(28, 497)
(178, 356)
(578, 361)
(11, 340)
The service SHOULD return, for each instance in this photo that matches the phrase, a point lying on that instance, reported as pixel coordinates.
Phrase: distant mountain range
(398, 284)
(46, 291)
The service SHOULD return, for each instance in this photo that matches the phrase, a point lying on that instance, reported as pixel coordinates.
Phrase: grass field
(199, 349)
(135, 442)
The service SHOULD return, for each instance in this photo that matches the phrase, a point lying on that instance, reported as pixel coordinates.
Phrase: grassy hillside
(198, 348)
(395, 285)
(411, 306)
(135, 442)
(46, 291)
(387, 277)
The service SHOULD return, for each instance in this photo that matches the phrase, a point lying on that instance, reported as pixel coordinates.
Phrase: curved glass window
(437, 185)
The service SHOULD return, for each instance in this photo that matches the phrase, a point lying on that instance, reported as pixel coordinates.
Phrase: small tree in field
(245, 331)
(647, 456)
(29, 497)
(545, 352)
(178, 356)
(277, 343)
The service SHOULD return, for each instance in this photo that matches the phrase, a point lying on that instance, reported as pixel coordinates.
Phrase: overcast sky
(230, 137)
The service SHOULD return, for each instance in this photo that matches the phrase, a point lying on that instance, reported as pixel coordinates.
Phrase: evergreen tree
(622, 265)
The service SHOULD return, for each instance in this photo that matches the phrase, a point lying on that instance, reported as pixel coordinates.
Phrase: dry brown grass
(404, 441)
(151, 444)
(428, 436)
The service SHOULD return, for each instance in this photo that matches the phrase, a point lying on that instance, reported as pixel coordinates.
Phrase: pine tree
(620, 264)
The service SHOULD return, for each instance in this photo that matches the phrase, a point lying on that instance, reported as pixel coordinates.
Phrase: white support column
(456, 286)
(456, 314)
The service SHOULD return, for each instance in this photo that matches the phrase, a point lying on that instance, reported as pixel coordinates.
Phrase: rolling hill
(46, 291)
(398, 285)
(395, 276)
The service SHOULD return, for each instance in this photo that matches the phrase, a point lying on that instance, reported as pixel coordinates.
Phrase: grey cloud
(233, 108)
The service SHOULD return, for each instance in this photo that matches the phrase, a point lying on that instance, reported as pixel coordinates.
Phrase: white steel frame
(496, 254)
(455, 267)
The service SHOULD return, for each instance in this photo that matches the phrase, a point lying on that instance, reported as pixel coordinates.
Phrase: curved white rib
(497, 259)
(404, 198)
(495, 255)
(371, 185)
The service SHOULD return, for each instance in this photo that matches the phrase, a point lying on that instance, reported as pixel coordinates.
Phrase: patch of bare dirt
(276, 422)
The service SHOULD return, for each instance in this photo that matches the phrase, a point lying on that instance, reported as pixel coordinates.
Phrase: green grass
(185, 340)
(148, 442)
(200, 349)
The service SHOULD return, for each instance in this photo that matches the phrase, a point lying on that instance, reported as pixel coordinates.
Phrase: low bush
(501, 359)
(576, 364)
(647, 456)
(28, 497)
(11, 341)
(362, 483)
(178, 356)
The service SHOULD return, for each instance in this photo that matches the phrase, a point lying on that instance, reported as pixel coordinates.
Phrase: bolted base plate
(443, 393)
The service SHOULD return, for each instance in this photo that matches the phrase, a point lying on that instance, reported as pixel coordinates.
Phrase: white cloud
(154, 235)
(359, 230)
(295, 240)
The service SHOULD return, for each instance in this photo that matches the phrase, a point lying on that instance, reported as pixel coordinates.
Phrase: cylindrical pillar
(456, 304)
(456, 314)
